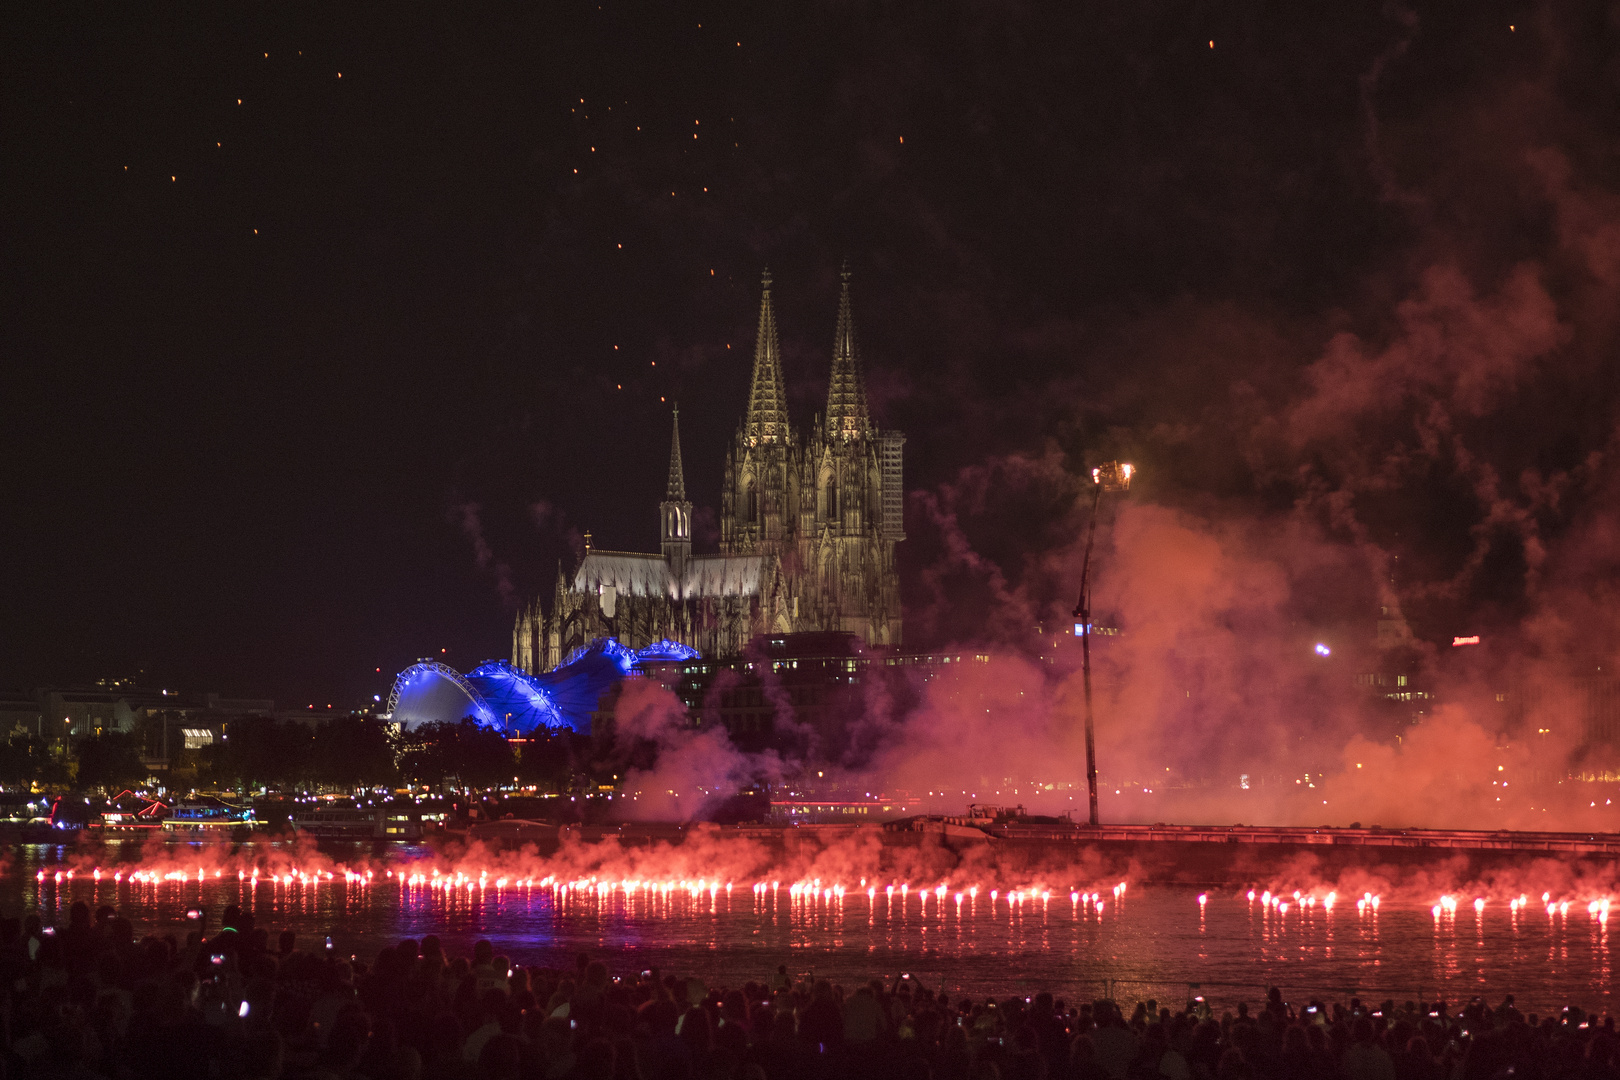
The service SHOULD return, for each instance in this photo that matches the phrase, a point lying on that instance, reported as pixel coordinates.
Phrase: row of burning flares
(437, 880)
(1599, 909)
(1446, 905)
(799, 891)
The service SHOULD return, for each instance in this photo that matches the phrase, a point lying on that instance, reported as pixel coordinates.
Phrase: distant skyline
(326, 336)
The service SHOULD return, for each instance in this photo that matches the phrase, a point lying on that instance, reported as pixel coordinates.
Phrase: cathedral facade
(807, 533)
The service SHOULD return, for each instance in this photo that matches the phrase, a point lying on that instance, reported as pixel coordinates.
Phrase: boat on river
(207, 819)
(128, 814)
(346, 820)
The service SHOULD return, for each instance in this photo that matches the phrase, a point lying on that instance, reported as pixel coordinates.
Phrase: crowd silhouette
(89, 1000)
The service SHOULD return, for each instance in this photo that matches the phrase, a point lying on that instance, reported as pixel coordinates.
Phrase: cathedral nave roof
(631, 573)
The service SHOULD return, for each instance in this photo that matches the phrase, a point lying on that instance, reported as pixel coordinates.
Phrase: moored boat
(130, 814)
(207, 819)
(344, 820)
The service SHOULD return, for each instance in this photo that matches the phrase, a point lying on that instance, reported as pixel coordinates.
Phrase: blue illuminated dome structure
(666, 650)
(498, 695)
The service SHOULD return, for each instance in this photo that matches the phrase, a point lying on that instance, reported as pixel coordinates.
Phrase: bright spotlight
(1323, 650)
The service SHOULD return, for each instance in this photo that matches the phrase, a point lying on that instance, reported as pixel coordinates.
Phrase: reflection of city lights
(1322, 650)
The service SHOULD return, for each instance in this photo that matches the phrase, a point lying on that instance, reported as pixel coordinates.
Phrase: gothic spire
(677, 476)
(767, 401)
(847, 417)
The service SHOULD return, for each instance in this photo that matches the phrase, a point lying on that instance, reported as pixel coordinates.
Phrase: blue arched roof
(499, 695)
(666, 650)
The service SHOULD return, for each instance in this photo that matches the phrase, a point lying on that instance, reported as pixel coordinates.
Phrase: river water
(1149, 941)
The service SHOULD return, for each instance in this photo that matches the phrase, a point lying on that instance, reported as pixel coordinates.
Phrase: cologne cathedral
(807, 533)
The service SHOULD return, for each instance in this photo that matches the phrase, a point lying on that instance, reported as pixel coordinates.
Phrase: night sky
(328, 328)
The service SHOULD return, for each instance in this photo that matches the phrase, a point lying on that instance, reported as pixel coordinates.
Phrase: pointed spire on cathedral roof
(767, 401)
(847, 416)
(676, 491)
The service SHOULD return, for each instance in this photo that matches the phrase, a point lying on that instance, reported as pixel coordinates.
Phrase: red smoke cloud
(1437, 443)
(1221, 598)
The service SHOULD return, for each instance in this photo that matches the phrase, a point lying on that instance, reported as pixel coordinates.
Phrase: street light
(1109, 476)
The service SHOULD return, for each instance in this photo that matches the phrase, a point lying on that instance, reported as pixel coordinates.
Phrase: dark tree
(465, 754)
(110, 760)
(260, 751)
(352, 752)
(546, 760)
(421, 758)
(27, 758)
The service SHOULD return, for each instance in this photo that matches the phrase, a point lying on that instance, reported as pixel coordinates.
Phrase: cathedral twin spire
(847, 417)
(847, 414)
(767, 401)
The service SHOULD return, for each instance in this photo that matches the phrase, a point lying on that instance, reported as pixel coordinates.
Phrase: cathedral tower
(760, 491)
(849, 532)
(767, 421)
(847, 417)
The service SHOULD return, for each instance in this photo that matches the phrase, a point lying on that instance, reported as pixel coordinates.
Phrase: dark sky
(316, 315)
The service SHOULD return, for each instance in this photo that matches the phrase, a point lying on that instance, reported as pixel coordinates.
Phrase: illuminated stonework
(807, 533)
